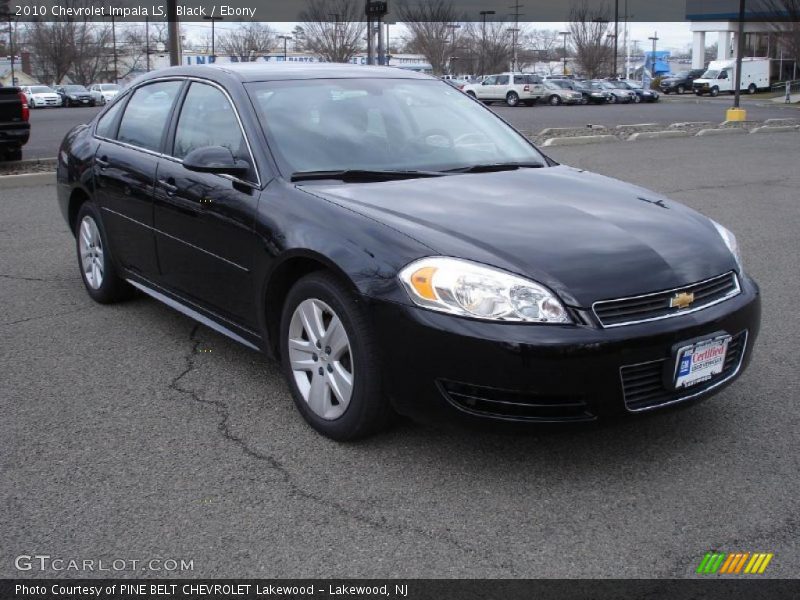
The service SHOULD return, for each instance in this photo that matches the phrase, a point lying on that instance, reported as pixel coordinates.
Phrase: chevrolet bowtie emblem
(681, 300)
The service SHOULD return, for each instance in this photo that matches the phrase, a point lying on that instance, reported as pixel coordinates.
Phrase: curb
(690, 124)
(560, 130)
(580, 140)
(725, 131)
(28, 180)
(654, 135)
(775, 129)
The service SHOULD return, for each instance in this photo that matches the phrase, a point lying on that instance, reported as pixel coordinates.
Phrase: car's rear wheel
(637, 99)
(752, 89)
(612, 99)
(97, 270)
(330, 359)
(554, 100)
(512, 98)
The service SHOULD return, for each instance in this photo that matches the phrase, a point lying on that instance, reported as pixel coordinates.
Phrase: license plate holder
(699, 360)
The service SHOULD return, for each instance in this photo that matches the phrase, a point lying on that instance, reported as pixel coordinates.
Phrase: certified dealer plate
(699, 362)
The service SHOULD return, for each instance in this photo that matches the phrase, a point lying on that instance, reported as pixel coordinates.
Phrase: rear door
(131, 136)
(204, 221)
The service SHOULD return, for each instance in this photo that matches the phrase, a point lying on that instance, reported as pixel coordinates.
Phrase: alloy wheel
(321, 359)
(91, 249)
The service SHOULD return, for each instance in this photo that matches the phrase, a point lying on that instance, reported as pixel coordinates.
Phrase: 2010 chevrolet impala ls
(401, 249)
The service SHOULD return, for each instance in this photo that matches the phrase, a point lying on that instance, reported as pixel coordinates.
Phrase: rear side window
(107, 124)
(207, 119)
(146, 114)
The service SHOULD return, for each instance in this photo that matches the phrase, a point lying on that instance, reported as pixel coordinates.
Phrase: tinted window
(490, 80)
(146, 115)
(207, 119)
(502, 80)
(105, 126)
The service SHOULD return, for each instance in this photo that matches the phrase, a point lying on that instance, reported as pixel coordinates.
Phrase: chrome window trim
(690, 396)
(257, 184)
(732, 294)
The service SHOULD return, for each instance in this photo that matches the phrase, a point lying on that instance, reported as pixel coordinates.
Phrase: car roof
(262, 71)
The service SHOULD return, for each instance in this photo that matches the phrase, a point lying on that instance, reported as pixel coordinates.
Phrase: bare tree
(491, 46)
(246, 40)
(433, 30)
(334, 29)
(92, 52)
(52, 49)
(589, 28)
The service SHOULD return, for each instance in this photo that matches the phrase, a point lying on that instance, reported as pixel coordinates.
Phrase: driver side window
(723, 75)
(490, 80)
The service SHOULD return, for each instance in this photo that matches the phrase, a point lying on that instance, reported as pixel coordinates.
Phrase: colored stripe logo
(734, 563)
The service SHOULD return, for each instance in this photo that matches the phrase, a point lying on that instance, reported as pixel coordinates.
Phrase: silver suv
(512, 88)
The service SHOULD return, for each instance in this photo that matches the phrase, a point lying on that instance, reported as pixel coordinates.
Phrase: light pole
(285, 39)
(484, 14)
(114, 43)
(213, 47)
(11, 48)
(513, 31)
(565, 34)
(616, 35)
(452, 27)
(653, 39)
(739, 53)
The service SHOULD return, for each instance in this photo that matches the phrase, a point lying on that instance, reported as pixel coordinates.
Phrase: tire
(637, 99)
(612, 99)
(14, 154)
(31, 106)
(89, 231)
(554, 100)
(512, 99)
(681, 89)
(584, 101)
(752, 89)
(714, 91)
(367, 410)
(667, 92)
(698, 93)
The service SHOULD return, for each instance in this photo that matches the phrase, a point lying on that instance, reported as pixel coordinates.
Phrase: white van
(721, 76)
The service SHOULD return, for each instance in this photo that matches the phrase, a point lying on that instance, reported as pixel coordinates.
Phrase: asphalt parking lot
(50, 125)
(129, 432)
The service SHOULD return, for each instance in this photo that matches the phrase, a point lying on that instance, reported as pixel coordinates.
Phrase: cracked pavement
(131, 432)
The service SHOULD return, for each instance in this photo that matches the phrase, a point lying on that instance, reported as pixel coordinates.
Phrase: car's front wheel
(612, 99)
(330, 359)
(554, 100)
(637, 99)
(97, 271)
(681, 89)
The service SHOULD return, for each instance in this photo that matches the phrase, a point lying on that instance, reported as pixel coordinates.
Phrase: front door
(203, 221)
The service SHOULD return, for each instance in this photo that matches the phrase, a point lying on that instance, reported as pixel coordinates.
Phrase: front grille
(514, 405)
(643, 384)
(649, 307)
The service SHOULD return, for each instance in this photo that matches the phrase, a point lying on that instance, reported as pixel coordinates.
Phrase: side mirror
(215, 159)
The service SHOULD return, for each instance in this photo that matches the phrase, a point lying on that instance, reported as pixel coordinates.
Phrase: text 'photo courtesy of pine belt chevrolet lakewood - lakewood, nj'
(400, 248)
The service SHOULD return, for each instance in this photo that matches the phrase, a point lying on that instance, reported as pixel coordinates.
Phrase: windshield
(710, 74)
(382, 124)
(681, 74)
(109, 87)
(74, 88)
(40, 89)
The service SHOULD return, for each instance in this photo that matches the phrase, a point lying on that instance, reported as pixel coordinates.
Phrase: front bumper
(438, 367)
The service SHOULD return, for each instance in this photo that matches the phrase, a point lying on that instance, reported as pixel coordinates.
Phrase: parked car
(399, 247)
(104, 92)
(15, 128)
(642, 95)
(616, 93)
(591, 92)
(41, 96)
(511, 88)
(75, 95)
(680, 82)
(559, 91)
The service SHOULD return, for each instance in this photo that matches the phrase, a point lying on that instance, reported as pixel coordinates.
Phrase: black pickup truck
(680, 82)
(14, 126)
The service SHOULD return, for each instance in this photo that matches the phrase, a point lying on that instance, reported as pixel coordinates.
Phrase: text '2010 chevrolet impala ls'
(401, 249)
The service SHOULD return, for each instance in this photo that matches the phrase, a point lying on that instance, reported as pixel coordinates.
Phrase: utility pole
(653, 39)
(482, 65)
(11, 48)
(147, 41)
(213, 45)
(565, 34)
(173, 33)
(514, 32)
(739, 54)
(616, 37)
(114, 44)
(452, 27)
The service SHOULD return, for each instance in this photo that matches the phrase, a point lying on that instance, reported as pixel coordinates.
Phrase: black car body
(680, 82)
(75, 95)
(592, 93)
(15, 128)
(607, 283)
(642, 95)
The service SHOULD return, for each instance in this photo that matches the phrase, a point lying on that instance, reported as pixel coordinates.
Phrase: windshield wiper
(365, 175)
(490, 167)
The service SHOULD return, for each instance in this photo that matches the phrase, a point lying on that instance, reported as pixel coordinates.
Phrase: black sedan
(400, 248)
(75, 95)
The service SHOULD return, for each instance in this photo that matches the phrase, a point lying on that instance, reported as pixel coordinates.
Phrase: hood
(586, 236)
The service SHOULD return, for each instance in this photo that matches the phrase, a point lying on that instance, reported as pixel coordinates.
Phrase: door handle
(168, 185)
(102, 162)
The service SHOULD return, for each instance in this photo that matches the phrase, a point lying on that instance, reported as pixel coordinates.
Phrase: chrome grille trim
(665, 294)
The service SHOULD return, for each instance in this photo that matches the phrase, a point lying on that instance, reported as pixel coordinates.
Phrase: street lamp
(653, 39)
(513, 31)
(484, 14)
(565, 34)
(213, 48)
(285, 39)
(616, 35)
(452, 27)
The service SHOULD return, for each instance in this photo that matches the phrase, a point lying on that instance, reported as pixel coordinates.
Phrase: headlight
(730, 241)
(73, 97)
(468, 289)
